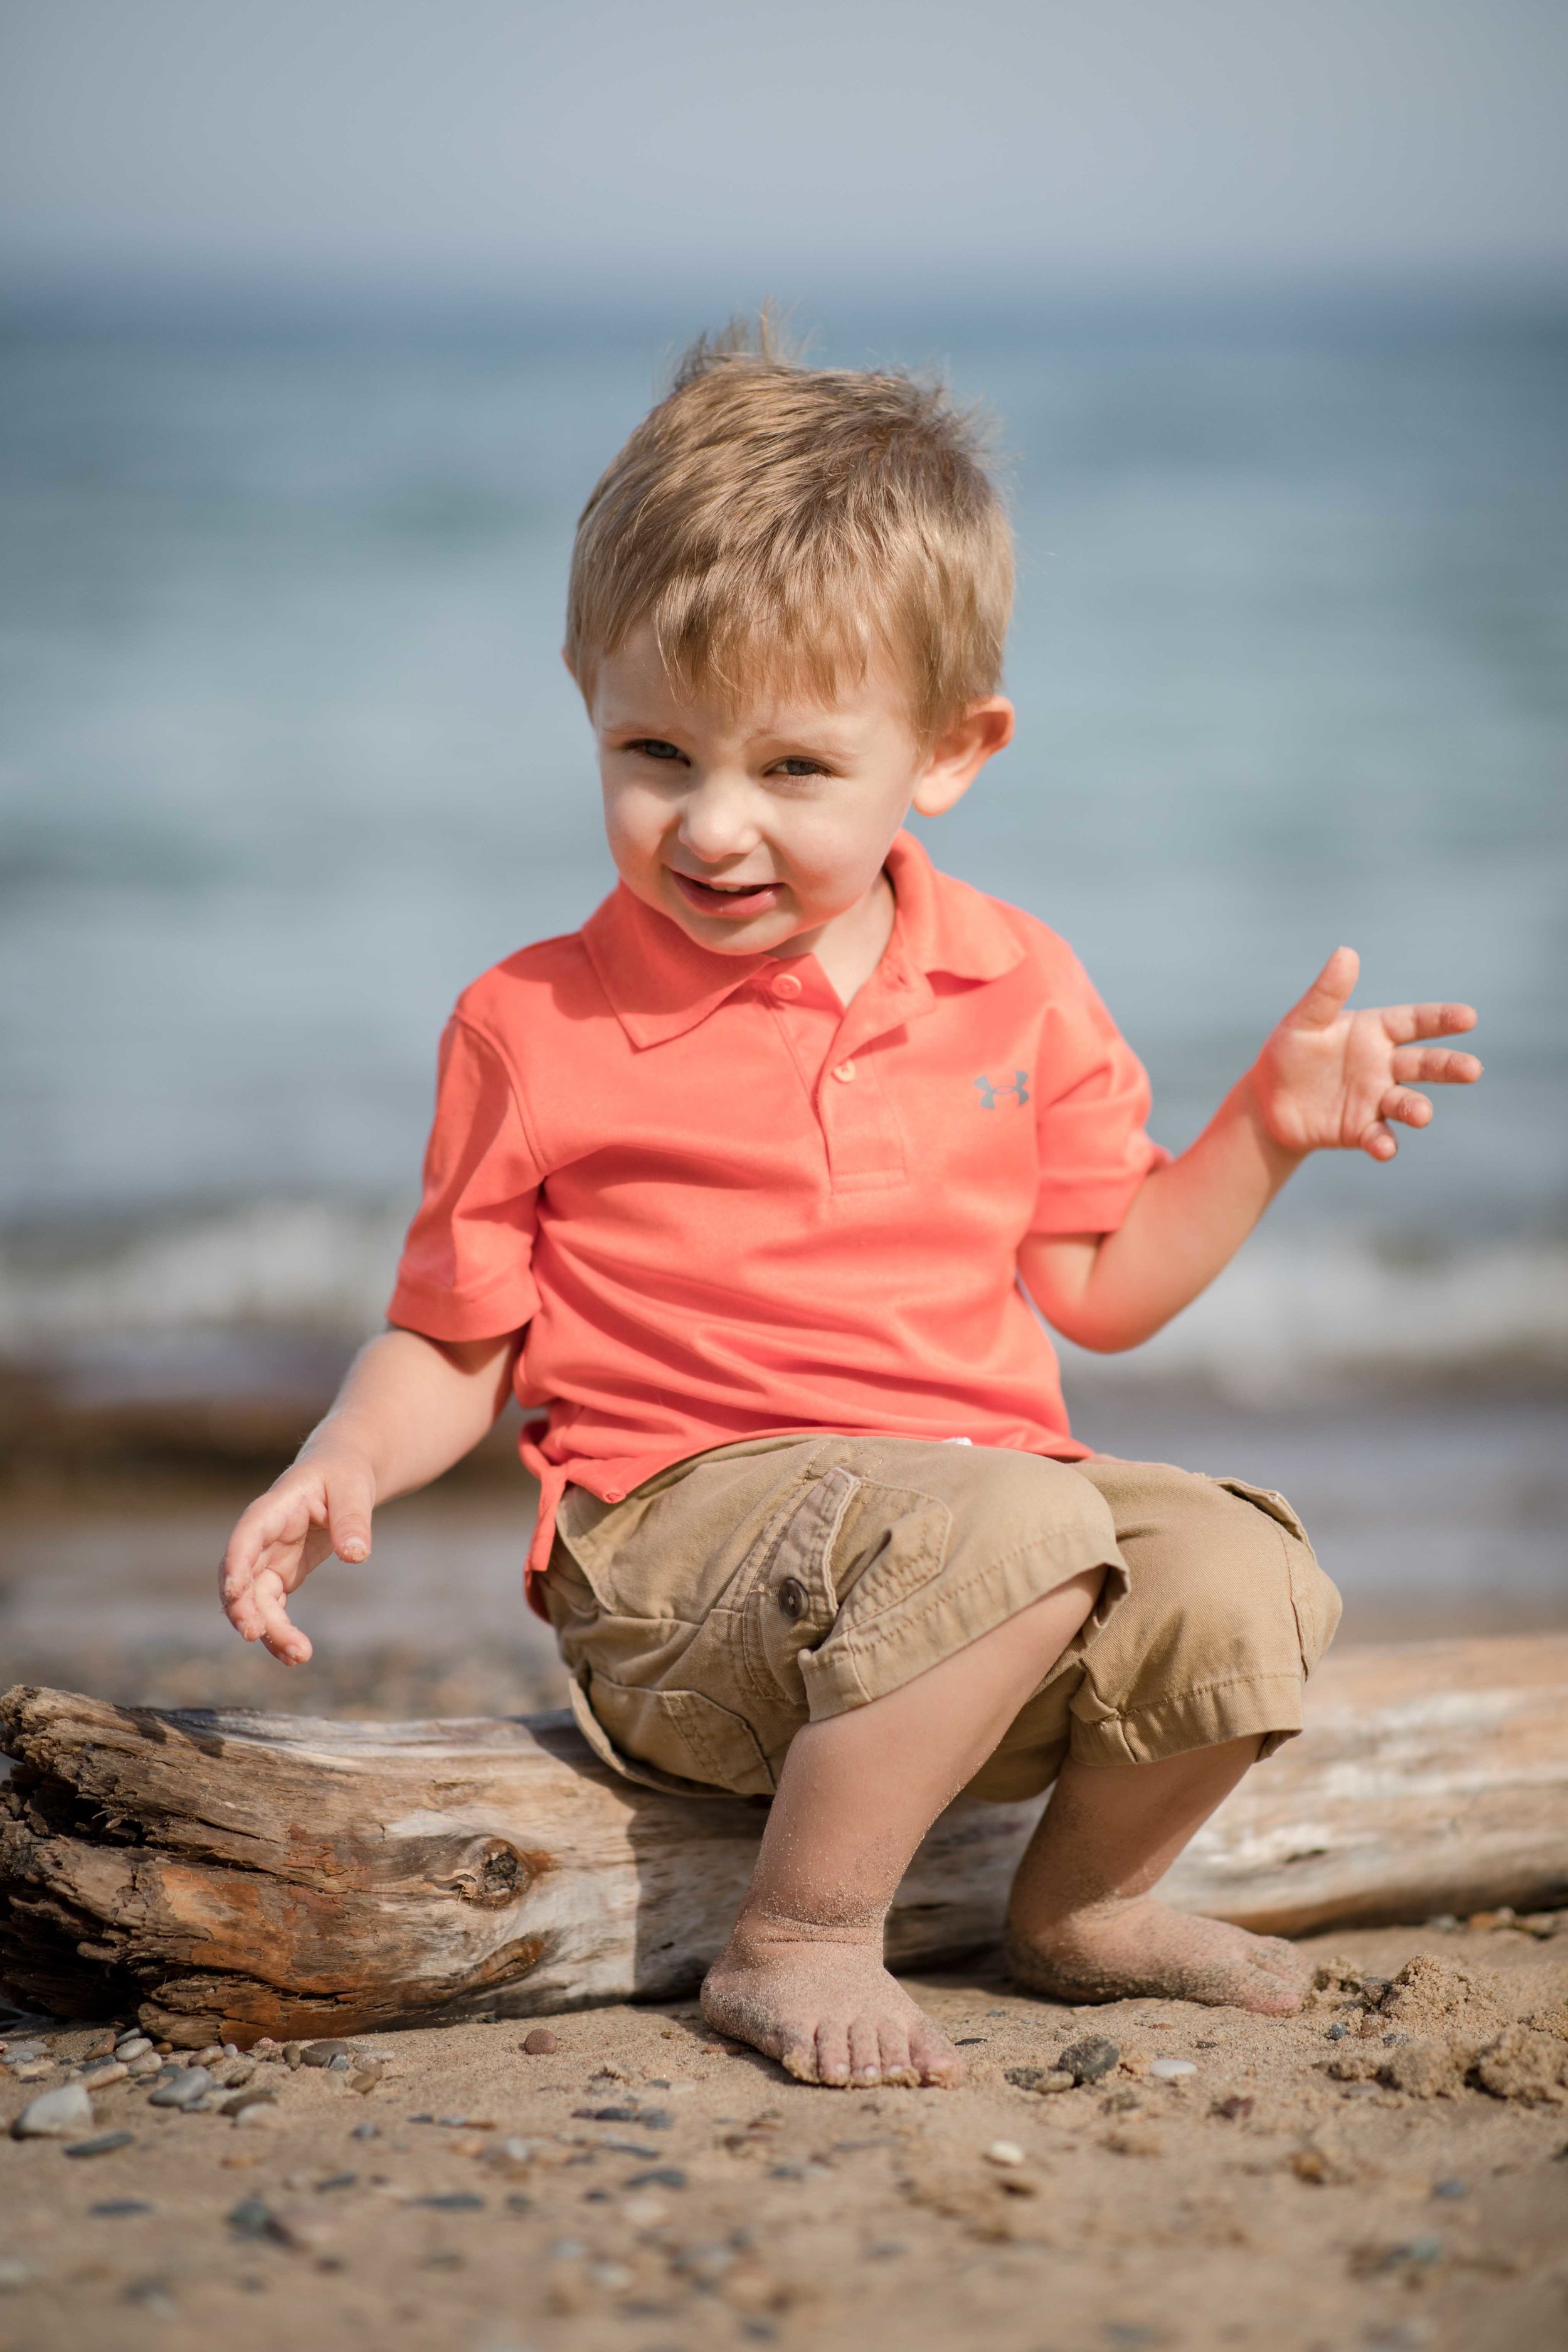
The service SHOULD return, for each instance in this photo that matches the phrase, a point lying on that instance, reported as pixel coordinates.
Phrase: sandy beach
(645, 2187)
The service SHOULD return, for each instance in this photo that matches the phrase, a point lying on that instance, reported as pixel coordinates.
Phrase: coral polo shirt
(718, 1205)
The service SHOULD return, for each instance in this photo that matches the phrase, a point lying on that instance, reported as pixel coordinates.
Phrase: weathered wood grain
(236, 1873)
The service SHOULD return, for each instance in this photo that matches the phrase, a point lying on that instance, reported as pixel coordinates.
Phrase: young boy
(748, 1179)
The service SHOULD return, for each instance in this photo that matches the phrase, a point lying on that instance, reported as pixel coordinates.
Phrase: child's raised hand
(1331, 1079)
(320, 1506)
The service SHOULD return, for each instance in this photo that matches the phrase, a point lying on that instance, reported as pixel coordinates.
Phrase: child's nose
(716, 822)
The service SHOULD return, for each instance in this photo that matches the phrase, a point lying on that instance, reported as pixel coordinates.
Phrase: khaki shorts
(747, 1591)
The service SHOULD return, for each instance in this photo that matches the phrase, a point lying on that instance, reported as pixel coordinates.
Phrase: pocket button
(791, 1599)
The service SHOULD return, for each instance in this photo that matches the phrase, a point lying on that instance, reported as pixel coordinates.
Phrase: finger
(271, 1520)
(1435, 1066)
(1379, 1141)
(1411, 1109)
(350, 1502)
(1404, 1021)
(279, 1633)
(1325, 1000)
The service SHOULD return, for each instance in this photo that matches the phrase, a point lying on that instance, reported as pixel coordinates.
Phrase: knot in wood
(491, 1874)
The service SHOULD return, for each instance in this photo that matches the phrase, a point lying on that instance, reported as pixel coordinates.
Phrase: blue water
(287, 753)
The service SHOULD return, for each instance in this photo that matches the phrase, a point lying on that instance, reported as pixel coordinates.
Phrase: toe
(865, 2053)
(897, 2066)
(934, 2058)
(796, 2053)
(833, 2054)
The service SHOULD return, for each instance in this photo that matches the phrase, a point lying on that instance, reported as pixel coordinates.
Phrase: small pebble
(1091, 2060)
(322, 2054)
(340, 2063)
(119, 2208)
(456, 2200)
(239, 2103)
(145, 2065)
(184, 2090)
(1450, 2188)
(293, 2053)
(644, 2212)
(56, 2115)
(104, 2144)
(1235, 2109)
(261, 2114)
(540, 2043)
(131, 2045)
(667, 2176)
(1006, 2152)
(365, 2131)
(104, 2071)
(1337, 2033)
(252, 2217)
(1170, 2070)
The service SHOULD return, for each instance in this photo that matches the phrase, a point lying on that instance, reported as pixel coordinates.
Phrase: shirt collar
(660, 983)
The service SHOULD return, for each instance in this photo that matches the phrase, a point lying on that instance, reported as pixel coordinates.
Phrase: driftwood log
(231, 1874)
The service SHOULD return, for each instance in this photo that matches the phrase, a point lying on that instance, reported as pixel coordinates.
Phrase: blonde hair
(779, 524)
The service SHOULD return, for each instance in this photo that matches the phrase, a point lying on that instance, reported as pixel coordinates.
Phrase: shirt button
(844, 1072)
(788, 984)
(791, 1599)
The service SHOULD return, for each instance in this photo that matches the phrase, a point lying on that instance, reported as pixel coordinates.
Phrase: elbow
(1110, 1336)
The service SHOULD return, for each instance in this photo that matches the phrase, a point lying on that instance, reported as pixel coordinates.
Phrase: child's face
(755, 830)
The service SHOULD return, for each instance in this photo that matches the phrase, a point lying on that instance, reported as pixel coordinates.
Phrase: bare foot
(829, 2012)
(1115, 1951)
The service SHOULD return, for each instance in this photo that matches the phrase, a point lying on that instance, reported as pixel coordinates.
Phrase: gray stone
(252, 2217)
(131, 2045)
(238, 2103)
(1091, 2060)
(102, 2072)
(56, 2115)
(1044, 2080)
(184, 2089)
(104, 2144)
(322, 2054)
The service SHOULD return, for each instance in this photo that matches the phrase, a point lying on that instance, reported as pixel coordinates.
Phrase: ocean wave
(1296, 1309)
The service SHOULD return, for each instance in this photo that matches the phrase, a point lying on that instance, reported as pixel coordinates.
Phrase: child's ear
(960, 751)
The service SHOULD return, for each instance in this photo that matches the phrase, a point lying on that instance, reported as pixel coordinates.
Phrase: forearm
(1185, 1224)
(411, 1407)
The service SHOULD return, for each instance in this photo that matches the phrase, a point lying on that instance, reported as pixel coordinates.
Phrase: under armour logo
(988, 1093)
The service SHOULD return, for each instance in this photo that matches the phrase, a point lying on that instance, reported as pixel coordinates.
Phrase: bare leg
(802, 1977)
(1082, 1924)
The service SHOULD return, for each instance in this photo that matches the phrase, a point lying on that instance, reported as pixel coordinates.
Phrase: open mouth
(733, 899)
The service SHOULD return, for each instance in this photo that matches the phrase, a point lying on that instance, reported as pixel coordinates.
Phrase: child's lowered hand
(1331, 1079)
(319, 1505)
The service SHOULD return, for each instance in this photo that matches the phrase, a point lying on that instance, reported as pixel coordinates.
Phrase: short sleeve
(1092, 1097)
(467, 1266)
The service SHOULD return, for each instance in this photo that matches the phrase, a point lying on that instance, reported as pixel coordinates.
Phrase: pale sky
(451, 140)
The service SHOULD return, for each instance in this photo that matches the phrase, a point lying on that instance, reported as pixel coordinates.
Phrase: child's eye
(654, 747)
(798, 767)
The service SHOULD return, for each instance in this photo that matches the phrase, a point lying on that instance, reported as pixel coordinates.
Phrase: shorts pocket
(677, 1740)
(1314, 1596)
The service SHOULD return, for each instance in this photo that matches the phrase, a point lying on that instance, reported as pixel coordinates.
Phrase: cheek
(633, 824)
(834, 857)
